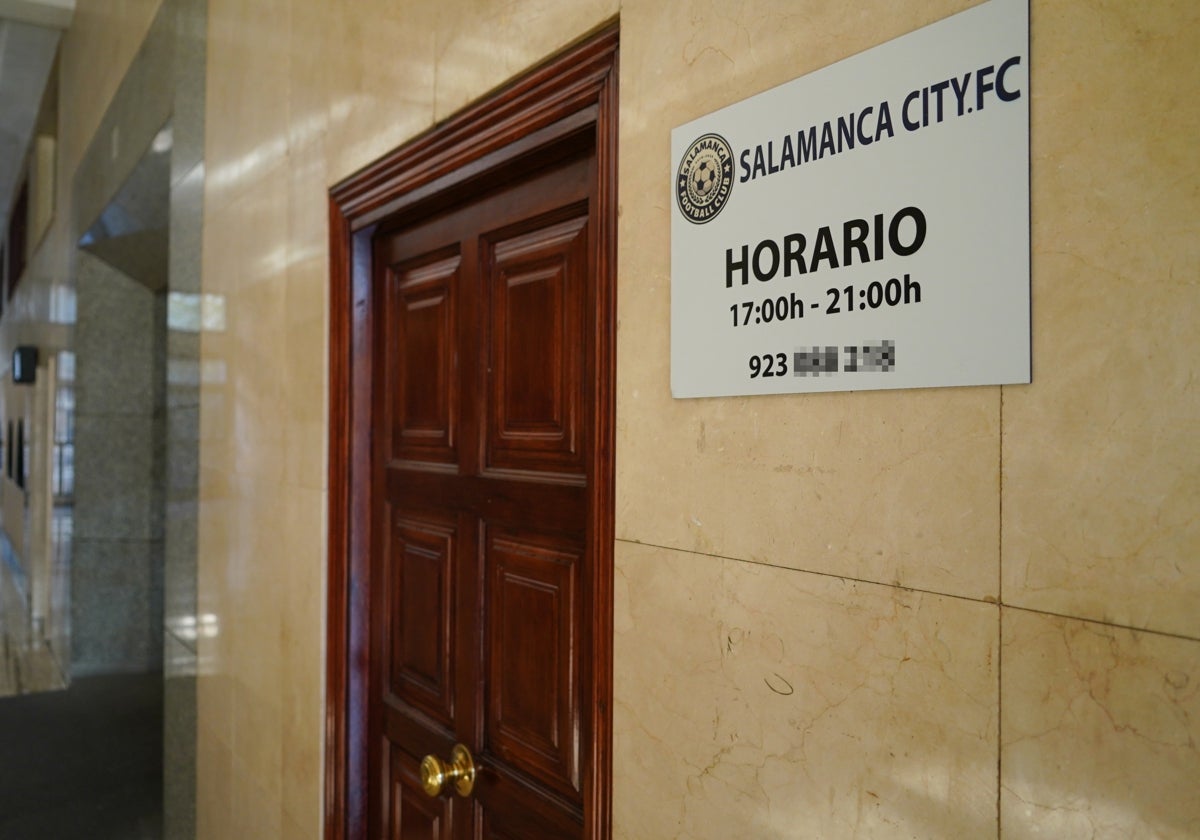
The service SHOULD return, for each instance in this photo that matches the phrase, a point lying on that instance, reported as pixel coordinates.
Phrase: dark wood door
(484, 430)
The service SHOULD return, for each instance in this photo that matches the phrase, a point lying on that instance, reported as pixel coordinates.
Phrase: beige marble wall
(97, 50)
(1101, 483)
(770, 703)
(1099, 730)
(810, 640)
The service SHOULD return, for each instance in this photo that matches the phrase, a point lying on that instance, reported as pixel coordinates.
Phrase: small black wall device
(24, 364)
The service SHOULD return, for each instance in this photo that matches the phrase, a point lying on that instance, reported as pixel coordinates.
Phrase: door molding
(570, 96)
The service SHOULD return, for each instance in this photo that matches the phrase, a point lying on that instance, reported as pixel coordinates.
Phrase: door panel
(537, 347)
(421, 361)
(533, 691)
(515, 811)
(422, 615)
(479, 638)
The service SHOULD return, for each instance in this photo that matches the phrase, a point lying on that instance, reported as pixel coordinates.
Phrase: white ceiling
(29, 35)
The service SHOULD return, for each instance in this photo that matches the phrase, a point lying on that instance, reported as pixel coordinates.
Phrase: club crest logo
(705, 178)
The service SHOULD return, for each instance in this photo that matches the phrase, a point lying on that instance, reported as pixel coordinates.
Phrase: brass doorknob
(461, 770)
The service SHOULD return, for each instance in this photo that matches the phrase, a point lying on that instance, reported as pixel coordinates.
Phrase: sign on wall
(865, 226)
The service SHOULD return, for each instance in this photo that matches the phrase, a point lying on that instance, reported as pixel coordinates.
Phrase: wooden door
(471, 522)
(485, 427)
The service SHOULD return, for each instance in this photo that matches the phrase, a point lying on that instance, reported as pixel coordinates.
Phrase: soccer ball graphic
(705, 177)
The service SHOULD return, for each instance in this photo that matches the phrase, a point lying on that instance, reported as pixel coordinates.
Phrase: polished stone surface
(1101, 476)
(117, 560)
(114, 341)
(179, 739)
(116, 606)
(140, 106)
(808, 706)
(1101, 731)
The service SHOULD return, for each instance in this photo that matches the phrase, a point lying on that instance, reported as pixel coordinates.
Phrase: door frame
(573, 93)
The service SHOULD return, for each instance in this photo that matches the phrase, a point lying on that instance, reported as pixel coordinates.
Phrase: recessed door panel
(511, 813)
(538, 282)
(532, 632)
(422, 607)
(421, 357)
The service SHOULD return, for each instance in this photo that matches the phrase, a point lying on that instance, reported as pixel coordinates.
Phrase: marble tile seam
(866, 581)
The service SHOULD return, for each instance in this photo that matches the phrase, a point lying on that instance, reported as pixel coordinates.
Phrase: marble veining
(1101, 731)
(766, 702)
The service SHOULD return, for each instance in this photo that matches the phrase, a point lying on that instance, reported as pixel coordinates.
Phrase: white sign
(862, 227)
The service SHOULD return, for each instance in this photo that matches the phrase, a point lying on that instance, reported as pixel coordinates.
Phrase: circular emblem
(705, 178)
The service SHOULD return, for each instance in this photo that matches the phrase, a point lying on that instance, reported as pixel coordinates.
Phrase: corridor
(28, 662)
